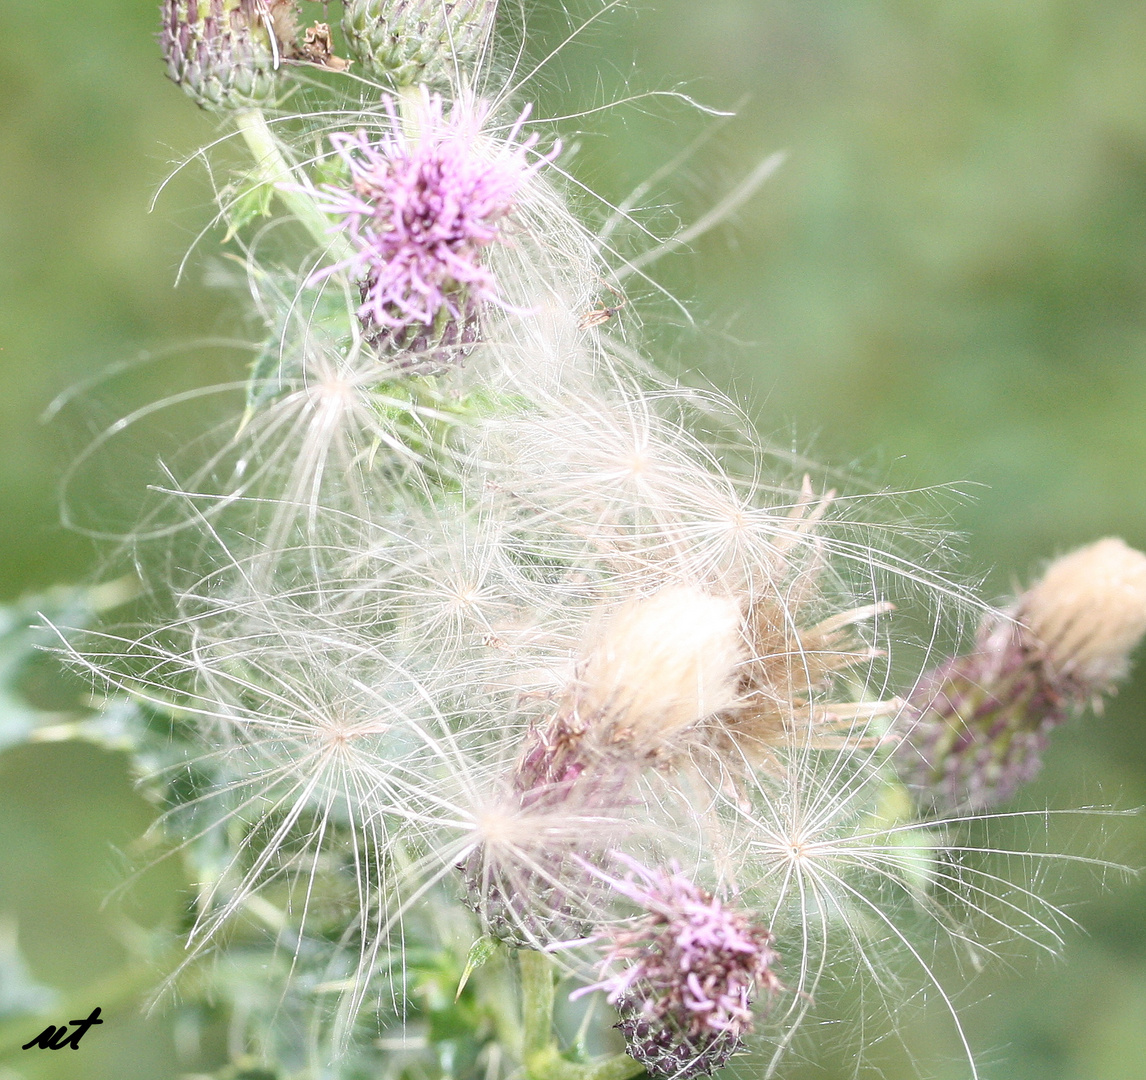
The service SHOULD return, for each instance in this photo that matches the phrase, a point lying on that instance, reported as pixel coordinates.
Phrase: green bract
(403, 42)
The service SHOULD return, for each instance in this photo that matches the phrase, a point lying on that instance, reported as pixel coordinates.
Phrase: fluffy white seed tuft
(664, 662)
(1089, 611)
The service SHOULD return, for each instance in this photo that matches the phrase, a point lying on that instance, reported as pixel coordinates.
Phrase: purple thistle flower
(420, 212)
(693, 962)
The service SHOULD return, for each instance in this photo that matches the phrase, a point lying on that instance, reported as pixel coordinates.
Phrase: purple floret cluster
(691, 961)
(422, 209)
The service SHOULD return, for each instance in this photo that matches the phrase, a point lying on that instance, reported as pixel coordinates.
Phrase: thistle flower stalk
(273, 171)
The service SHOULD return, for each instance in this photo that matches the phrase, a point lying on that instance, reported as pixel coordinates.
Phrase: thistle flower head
(977, 725)
(225, 53)
(688, 969)
(420, 211)
(403, 42)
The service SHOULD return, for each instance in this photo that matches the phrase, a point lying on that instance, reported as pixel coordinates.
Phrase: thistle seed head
(1088, 613)
(404, 42)
(656, 666)
(976, 727)
(786, 683)
(226, 53)
(660, 664)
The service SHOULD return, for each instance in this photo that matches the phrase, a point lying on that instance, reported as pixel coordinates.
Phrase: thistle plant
(483, 656)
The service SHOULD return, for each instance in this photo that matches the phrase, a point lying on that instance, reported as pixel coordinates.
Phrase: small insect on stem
(602, 314)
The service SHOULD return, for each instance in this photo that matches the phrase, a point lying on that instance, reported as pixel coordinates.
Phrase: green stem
(273, 169)
(536, 1002)
(548, 1064)
(542, 1059)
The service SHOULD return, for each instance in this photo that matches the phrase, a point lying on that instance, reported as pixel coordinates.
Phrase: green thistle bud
(403, 42)
(226, 53)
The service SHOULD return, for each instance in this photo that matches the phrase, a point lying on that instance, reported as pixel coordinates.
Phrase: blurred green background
(945, 283)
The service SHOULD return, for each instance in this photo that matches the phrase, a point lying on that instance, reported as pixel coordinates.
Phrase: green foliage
(36, 698)
(246, 202)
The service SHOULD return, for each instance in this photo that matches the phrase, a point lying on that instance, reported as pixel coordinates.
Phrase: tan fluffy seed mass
(663, 663)
(1089, 611)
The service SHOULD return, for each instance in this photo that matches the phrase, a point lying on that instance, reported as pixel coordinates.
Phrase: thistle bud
(404, 42)
(688, 968)
(226, 53)
(977, 726)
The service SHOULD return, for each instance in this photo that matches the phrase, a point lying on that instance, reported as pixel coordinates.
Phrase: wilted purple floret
(421, 210)
(691, 963)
